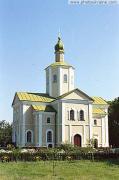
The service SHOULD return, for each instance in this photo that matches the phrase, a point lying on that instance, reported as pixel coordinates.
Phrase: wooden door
(77, 140)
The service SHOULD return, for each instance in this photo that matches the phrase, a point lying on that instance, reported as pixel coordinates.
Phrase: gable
(76, 94)
(15, 100)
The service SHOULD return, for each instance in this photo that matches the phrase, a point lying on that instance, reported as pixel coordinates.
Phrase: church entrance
(77, 140)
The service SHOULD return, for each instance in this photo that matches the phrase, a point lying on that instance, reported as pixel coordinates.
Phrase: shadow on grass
(111, 162)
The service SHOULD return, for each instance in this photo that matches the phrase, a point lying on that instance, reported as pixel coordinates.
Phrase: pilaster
(40, 129)
(63, 123)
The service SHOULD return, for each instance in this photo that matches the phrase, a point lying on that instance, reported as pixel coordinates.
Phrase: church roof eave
(57, 64)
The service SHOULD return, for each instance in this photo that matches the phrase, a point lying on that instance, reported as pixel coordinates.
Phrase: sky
(28, 33)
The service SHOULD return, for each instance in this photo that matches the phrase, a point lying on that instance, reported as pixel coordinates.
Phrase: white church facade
(63, 114)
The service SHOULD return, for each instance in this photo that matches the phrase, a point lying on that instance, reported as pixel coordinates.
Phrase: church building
(64, 114)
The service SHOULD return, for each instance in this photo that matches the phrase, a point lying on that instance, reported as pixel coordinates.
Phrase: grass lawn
(76, 170)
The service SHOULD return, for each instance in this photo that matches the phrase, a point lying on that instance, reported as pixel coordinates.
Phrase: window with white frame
(81, 115)
(49, 136)
(29, 136)
(72, 114)
(48, 120)
(65, 78)
(95, 122)
(54, 78)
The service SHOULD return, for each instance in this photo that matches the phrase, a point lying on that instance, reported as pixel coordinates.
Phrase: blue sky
(28, 33)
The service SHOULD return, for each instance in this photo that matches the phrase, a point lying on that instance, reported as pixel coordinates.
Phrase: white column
(75, 115)
(90, 121)
(36, 130)
(103, 131)
(20, 114)
(23, 125)
(70, 133)
(69, 79)
(63, 122)
(40, 129)
(106, 129)
(84, 136)
(60, 79)
(71, 74)
(50, 81)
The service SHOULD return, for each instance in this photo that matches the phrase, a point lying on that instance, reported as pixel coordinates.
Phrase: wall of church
(16, 123)
(64, 85)
(76, 108)
(28, 122)
(55, 85)
(47, 127)
(73, 127)
(97, 134)
(60, 86)
(47, 81)
(58, 107)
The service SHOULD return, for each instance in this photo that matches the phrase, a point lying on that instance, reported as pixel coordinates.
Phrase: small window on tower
(48, 120)
(65, 78)
(54, 78)
(95, 122)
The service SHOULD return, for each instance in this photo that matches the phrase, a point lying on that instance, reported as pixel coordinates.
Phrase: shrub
(5, 159)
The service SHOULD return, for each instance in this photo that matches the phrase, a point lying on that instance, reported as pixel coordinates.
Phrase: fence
(57, 156)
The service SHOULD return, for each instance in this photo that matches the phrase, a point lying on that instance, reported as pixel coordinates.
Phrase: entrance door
(95, 143)
(77, 140)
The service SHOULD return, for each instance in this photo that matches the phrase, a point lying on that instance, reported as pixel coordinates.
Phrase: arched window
(65, 78)
(49, 136)
(48, 120)
(95, 122)
(95, 143)
(54, 78)
(71, 114)
(81, 115)
(29, 136)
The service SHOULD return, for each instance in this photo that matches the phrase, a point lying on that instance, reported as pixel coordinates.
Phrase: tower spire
(59, 34)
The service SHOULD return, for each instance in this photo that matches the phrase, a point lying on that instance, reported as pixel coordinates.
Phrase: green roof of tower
(59, 47)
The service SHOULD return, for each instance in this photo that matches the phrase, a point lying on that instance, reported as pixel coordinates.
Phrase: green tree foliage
(5, 133)
(114, 122)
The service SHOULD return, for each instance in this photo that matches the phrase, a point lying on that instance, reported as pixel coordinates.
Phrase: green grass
(64, 170)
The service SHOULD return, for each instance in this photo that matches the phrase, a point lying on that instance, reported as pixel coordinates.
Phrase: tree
(5, 133)
(114, 122)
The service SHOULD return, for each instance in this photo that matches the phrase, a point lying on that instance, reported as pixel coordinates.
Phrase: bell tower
(59, 75)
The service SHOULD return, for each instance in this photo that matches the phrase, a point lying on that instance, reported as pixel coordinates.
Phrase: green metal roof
(34, 97)
(98, 111)
(99, 101)
(43, 108)
(59, 47)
